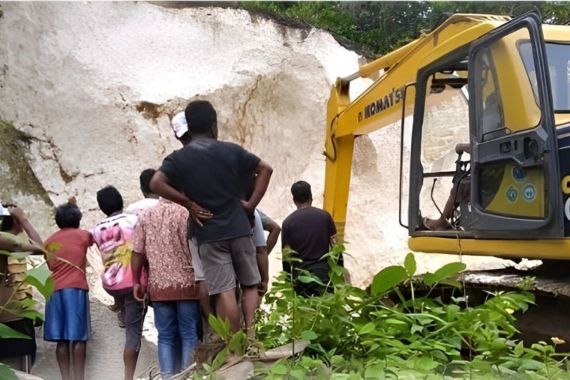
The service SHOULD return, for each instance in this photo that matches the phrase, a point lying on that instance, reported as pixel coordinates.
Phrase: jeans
(177, 325)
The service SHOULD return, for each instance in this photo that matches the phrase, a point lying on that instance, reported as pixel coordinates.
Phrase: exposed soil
(104, 350)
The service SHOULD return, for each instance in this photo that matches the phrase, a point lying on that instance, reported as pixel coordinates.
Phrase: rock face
(92, 87)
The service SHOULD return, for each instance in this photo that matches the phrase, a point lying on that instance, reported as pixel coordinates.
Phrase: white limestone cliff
(93, 86)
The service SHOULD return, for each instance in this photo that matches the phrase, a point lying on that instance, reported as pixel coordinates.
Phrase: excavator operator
(460, 192)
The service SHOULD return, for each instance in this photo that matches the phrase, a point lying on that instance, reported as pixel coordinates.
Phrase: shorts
(226, 260)
(196, 262)
(133, 312)
(258, 235)
(67, 316)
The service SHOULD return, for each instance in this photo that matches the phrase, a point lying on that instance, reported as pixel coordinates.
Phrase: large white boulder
(93, 86)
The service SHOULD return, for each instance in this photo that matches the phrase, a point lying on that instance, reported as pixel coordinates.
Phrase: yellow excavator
(500, 85)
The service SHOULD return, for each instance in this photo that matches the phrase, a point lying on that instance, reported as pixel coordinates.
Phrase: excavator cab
(492, 84)
(513, 180)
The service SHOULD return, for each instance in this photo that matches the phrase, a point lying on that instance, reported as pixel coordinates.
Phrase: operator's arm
(263, 174)
(463, 148)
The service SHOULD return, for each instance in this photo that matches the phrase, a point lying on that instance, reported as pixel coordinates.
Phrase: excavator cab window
(444, 125)
(514, 165)
(486, 96)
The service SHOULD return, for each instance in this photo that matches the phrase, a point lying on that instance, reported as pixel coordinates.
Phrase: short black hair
(144, 178)
(67, 215)
(301, 191)
(6, 223)
(109, 200)
(200, 116)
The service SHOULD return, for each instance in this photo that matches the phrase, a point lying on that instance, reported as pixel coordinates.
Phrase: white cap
(4, 211)
(179, 124)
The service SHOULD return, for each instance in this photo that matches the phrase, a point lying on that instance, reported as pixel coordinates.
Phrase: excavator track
(549, 316)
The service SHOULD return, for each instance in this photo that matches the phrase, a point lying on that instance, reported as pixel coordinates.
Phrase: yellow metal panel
(532, 249)
(523, 197)
(521, 111)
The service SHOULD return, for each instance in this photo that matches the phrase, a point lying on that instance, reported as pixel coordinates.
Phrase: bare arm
(274, 230)
(18, 214)
(263, 171)
(463, 148)
(138, 261)
(263, 266)
(159, 185)
(11, 246)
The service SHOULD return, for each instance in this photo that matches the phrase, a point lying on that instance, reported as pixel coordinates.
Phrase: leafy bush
(379, 27)
(395, 331)
(40, 278)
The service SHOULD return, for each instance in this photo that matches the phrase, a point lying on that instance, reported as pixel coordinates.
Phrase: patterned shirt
(161, 236)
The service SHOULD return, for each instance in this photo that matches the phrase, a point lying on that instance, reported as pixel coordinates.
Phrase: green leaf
(309, 335)
(444, 272)
(237, 343)
(32, 314)
(395, 321)
(532, 365)
(451, 282)
(6, 373)
(416, 328)
(220, 327)
(375, 371)
(40, 278)
(7, 332)
(367, 328)
(298, 373)
(387, 278)
(53, 247)
(279, 369)
(307, 279)
(410, 264)
(519, 349)
(220, 359)
(425, 364)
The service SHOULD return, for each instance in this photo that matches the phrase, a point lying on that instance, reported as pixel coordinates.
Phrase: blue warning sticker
(519, 174)
(529, 192)
(512, 194)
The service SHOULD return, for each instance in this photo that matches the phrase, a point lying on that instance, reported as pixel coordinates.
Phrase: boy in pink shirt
(113, 237)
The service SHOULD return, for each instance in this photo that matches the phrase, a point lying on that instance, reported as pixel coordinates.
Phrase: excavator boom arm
(381, 104)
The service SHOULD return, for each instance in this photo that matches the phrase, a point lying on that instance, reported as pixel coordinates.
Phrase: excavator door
(514, 161)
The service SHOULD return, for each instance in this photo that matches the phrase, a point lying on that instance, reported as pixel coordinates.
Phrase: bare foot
(436, 224)
(114, 307)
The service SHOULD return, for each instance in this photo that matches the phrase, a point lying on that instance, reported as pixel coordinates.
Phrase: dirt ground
(104, 350)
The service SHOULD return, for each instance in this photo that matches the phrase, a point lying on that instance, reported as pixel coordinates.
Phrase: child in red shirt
(67, 310)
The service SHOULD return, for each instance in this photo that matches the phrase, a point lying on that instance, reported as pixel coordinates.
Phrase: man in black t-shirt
(310, 232)
(207, 177)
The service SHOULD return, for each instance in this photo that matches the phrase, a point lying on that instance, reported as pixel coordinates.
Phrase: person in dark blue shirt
(208, 177)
